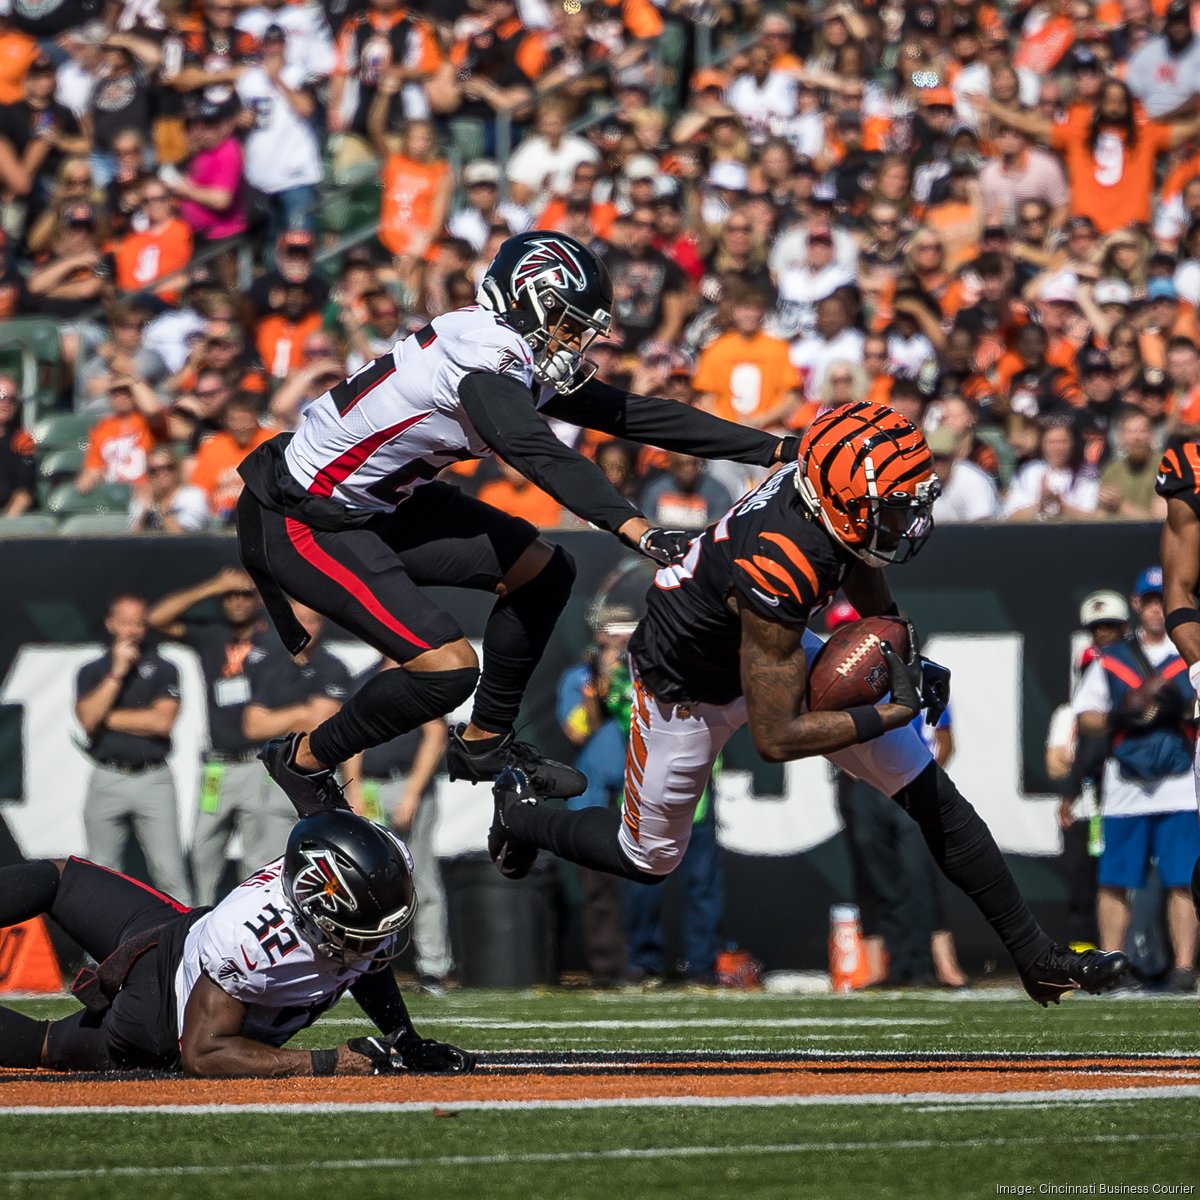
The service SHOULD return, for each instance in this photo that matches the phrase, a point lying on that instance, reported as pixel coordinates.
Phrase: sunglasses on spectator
(885, 222)
(77, 181)
(222, 343)
(737, 228)
(320, 350)
(161, 469)
(922, 247)
(155, 197)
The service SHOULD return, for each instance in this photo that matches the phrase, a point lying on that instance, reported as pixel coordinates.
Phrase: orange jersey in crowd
(746, 376)
(1113, 184)
(554, 216)
(410, 191)
(217, 462)
(529, 502)
(17, 51)
(117, 446)
(280, 342)
(141, 258)
(378, 26)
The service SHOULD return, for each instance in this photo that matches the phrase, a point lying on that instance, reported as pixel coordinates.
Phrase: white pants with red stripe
(672, 749)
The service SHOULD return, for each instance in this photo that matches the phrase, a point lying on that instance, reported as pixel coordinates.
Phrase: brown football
(850, 669)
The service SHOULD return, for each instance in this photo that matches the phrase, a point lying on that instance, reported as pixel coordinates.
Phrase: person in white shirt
(968, 494)
(833, 339)
(1164, 72)
(283, 156)
(764, 99)
(218, 992)
(1058, 485)
(164, 505)
(483, 208)
(802, 282)
(543, 165)
(77, 76)
(309, 41)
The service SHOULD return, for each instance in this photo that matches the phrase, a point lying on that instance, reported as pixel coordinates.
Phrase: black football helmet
(350, 884)
(556, 293)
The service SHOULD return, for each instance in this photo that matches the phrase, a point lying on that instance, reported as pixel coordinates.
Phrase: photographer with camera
(1137, 692)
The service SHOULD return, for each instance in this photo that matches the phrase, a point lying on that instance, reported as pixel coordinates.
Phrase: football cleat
(1060, 970)
(549, 779)
(514, 859)
(310, 793)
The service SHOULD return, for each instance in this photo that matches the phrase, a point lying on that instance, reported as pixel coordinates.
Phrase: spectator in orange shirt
(280, 336)
(746, 375)
(162, 249)
(217, 460)
(602, 213)
(1183, 401)
(513, 493)
(117, 446)
(417, 186)
(17, 52)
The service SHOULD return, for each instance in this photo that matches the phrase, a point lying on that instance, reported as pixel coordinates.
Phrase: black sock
(27, 890)
(21, 1039)
(514, 640)
(587, 836)
(387, 705)
(1196, 887)
(964, 849)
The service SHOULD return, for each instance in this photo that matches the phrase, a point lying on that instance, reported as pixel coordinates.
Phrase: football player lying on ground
(219, 991)
(347, 516)
(725, 642)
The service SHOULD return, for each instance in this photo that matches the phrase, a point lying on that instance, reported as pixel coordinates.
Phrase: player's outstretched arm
(1180, 550)
(774, 678)
(667, 424)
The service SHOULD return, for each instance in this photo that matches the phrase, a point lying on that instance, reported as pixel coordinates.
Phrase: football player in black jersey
(725, 642)
(1179, 483)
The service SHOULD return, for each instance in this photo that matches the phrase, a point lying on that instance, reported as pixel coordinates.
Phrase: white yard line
(950, 1099)
(693, 1022)
(580, 1156)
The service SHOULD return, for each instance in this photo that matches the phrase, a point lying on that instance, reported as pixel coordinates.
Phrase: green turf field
(914, 1148)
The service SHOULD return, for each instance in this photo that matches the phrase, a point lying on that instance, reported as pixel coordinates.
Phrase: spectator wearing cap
(417, 186)
(968, 494)
(77, 76)
(650, 293)
(118, 445)
(158, 248)
(283, 155)
(807, 278)
(308, 43)
(42, 132)
(513, 493)
(165, 505)
(675, 238)
(483, 207)
(1164, 72)
(69, 278)
(1018, 173)
(212, 194)
(123, 99)
(1137, 692)
(279, 336)
(1111, 159)
(1127, 483)
(18, 471)
(958, 218)
(1056, 485)
(217, 460)
(542, 165)
(294, 250)
(1159, 317)
(1095, 418)
(746, 375)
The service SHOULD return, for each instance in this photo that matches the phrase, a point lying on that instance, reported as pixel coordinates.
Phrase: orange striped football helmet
(866, 473)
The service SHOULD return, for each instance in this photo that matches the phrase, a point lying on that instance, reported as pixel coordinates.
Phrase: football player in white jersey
(346, 515)
(219, 991)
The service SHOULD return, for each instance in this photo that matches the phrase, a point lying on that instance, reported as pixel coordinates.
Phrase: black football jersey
(769, 554)
(1179, 475)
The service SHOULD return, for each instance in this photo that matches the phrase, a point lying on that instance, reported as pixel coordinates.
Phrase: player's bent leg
(27, 890)
(22, 1039)
(965, 850)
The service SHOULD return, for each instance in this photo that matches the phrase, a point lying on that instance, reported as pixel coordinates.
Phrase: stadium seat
(28, 525)
(95, 525)
(60, 464)
(30, 349)
(61, 431)
(107, 498)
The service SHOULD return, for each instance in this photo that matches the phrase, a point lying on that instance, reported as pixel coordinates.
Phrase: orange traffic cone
(27, 959)
(849, 967)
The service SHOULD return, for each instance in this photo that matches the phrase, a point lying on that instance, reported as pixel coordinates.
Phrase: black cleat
(1060, 970)
(514, 859)
(309, 793)
(549, 779)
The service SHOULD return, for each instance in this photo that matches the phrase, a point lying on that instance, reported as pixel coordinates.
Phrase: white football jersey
(394, 424)
(250, 948)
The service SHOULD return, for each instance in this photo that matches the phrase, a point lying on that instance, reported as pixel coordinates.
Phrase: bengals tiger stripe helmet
(866, 473)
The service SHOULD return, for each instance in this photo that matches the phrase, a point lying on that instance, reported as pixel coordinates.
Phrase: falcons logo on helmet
(549, 261)
(321, 883)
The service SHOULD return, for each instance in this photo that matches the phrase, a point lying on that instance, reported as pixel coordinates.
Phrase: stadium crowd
(984, 214)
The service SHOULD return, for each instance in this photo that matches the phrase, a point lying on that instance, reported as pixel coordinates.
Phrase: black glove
(665, 546)
(405, 1051)
(935, 689)
(904, 678)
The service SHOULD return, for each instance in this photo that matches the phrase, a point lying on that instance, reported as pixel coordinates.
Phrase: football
(849, 669)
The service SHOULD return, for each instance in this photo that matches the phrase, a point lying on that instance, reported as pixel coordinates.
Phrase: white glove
(558, 367)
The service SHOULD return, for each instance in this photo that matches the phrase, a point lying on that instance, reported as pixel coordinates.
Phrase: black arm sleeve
(503, 414)
(666, 424)
(378, 995)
